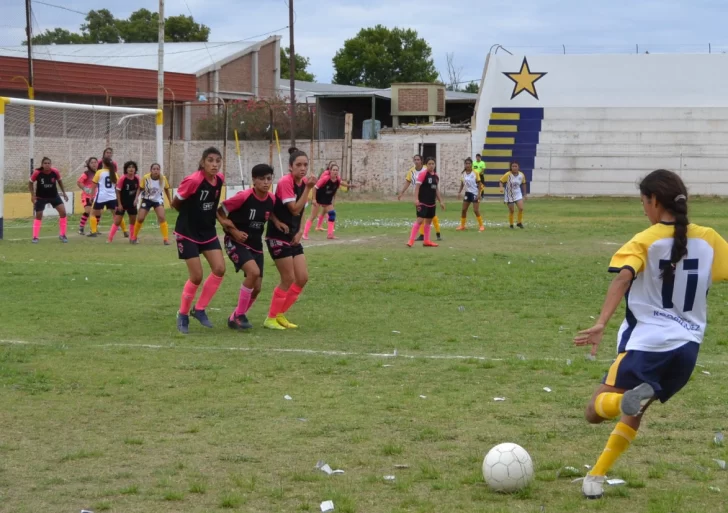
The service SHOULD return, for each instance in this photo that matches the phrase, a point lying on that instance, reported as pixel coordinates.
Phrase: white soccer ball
(507, 468)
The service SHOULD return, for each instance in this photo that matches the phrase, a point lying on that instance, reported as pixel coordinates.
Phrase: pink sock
(62, 224)
(112, 232)
(427, 232)
(330, 229)
(36, 227)
(243, 301)
(320, 222)
(415, 231)
(188, 295)
(307, 228)
(291, 297)
(276, 304)
(252, 302)
(84, 219)
(212, 283)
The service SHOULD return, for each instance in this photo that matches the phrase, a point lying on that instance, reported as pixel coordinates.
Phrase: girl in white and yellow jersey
(471, 183)
(104, 190)
(513, 188)
(664, 273)
(152, 186)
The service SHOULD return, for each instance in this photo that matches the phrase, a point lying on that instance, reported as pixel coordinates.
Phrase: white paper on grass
(326, 468)
(721, 463)
(546, 389)
(499, 398)
(287, 397)
(615, 482)
(327, 506)
(389, 478)
(706, 373)
(394, 331)
(423, 397)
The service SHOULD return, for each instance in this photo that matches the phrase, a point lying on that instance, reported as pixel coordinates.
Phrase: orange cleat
(460, 229)
(430, 244)
(481, 229)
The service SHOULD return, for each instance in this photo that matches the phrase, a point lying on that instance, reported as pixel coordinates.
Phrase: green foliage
(302, 63)
(472, 87)
(379, 56)
(142, 26)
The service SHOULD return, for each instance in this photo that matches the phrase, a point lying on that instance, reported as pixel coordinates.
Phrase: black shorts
(240, 255)
(278, 249)
(40, 203)
(132, 210)
(108, 205)
(426, 212)
(471, 198)
(667, 372)
(323, 199)
(187, 248)
(149, 204)
(87, 202)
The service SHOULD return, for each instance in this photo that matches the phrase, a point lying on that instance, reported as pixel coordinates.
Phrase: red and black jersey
(249, 213)
(198, 212)
(428, 187)
(47, 183)
(326, 188)
(127, 188)
(286, 192)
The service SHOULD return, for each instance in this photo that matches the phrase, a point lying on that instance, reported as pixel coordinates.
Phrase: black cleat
(35, 240)
(420, 238)
(63, 239)
(438, 237)
(511, 227)
(201, 316)
(92, 234)
(520, 225)
(239, 322)
(126, 235)
(183, 323)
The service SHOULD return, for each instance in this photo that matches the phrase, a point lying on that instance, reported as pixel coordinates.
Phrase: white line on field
(323, 352)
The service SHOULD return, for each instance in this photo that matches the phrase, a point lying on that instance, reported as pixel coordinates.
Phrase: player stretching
(426, 192)
(284, 239)
(243, 218)
(196, 200)
(43, 187)
(513, 187)
(127, 192)
(152, 186)
(410, 180)
(664, 274)
(326, 189)
(470, 182)
(86, 183)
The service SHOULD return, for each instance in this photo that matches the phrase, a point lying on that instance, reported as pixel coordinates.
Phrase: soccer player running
(152, 186)
(410, 180)
(664, 273)
(284, 239)
(196, 200)
(127, 192)
(513, 187)
(479, 168)
(326, 188)
(426, 192)
(43, 188)
(243, 219)
(470, 182)
(86, 183)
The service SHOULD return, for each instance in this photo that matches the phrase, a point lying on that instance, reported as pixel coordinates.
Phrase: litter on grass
(326, 468)
(546, 389)
(287, 397)
(389, 478)
(327, 506)
(720, 463)
(615, 482)
(423, 397)
(499, 399)
(401, 465)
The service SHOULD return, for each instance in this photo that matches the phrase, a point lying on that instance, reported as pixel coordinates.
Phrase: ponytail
(112, 172)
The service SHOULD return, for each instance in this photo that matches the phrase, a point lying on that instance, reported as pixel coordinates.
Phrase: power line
(59, 7)
(192, 16)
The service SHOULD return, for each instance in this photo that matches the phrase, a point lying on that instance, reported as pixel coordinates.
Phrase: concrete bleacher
(606, 151)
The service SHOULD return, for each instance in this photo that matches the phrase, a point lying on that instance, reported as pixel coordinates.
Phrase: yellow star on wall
(525, 80)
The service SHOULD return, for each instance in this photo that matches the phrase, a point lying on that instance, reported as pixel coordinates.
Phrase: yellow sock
(422, 229)
(137, 229)
(520, 216)
(480, 220)
(462, 222)
(122, 226)
(618, 442)
(510, 218)
(607, 405)
(164, 228)
(436, 223)
(94, 224)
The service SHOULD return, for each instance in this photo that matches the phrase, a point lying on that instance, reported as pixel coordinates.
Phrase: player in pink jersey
(43, 187)
(127, 193)
(325, 189)
(427, 193)
(85, 182)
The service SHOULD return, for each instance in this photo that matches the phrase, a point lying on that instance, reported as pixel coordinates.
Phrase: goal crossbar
(33, 104)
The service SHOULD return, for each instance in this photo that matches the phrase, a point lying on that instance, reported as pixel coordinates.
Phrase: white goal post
(69, 133)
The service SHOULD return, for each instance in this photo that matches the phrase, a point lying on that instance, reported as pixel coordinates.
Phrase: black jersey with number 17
(287, 192)
(198, 211)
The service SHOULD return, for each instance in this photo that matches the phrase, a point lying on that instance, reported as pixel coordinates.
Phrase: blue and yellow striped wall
(513, 134)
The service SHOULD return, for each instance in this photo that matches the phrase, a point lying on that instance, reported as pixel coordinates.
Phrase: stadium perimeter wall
(595, 124)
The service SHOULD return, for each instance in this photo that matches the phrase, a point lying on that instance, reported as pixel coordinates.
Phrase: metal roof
(312, 89)
(190, 58)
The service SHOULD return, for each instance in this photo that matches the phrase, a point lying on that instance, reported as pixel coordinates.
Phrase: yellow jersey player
(153, 184)
(479, 168)
(470, 182)
(664, 273)
(513, 187)
(410, 179)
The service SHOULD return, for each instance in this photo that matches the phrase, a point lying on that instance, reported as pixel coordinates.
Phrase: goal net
(69, 134)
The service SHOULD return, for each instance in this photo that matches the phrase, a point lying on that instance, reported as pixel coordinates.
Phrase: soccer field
(393, 372)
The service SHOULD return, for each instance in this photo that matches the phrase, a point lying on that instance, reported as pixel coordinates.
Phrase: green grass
(105, 406)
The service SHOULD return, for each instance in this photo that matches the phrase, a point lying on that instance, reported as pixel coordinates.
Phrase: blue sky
(466, 28)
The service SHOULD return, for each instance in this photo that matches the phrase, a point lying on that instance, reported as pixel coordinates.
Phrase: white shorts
(513, 198)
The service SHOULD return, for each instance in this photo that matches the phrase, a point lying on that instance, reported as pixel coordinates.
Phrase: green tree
(184, 29)
(472, 87)
(142, 26)
(302, 64)
(101, 27)
(379, 56)
(58, 36)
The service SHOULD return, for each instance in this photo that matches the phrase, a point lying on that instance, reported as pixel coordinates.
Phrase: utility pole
(31, 91)
(160, 57)
(292, 72)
